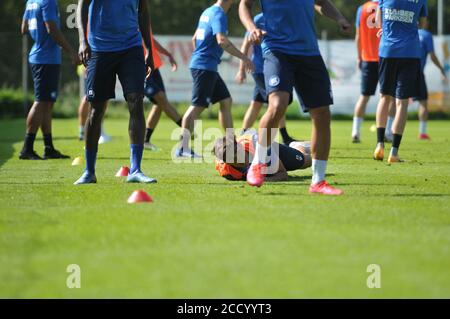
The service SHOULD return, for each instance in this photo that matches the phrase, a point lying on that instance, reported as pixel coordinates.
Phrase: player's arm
(24, 27)
(165, 52)
(358, 46)
(279, 176)
(84, 51)
(437, 63)
(57, 36)
(194, 40)
(144, 27)
(327, 9)
(378, 20)
(229, 47)
(245, 14)
(245, 48)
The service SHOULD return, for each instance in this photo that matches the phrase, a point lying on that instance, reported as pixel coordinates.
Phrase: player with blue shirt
(399, 69)
(426, 48)
(113, 48)
(259, 93)
(292, 59)
(41, 20)
(210, 41)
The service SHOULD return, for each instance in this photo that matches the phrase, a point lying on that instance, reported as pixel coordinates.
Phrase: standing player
(426, 47)
(210, 40)
(399, 66)
(367, 42)
(156, 93)
(116, 31)
(41, 20)
(259, 93)
(292, 59)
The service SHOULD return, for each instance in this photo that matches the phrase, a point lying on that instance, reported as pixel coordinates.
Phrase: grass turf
(207, 237)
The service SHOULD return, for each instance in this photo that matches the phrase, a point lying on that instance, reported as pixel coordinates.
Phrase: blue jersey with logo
(207, 53)
(426, 46)
(290, 27)
(257, 55)
(400, 38)
(44, 50)
(114, 25)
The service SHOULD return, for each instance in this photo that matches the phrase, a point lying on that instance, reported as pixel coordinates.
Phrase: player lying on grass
(234, 157)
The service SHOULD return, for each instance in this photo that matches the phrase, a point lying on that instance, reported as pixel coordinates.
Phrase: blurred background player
(210, 40)
(259, 95)
(156, 93)
(292, 59)
(41, 21)
(367, 42)
(233, 157)
(83, 112)
(399, 66)
(426, 48)
(113, 48)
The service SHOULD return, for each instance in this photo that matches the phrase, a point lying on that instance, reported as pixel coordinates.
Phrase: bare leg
(423, 118)
(35, 116)
(251, 114)
(136, 126)
(93, 125)
(358, 117)
(278, 102)
(46, 125)
(83, 111)
(192, 113)
(167, 107)
(321, 133)
(225, 117)
(154, 116)
(400, 117)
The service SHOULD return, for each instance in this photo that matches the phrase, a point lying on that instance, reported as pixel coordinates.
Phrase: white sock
(357, 122)
(103, 133)
(260, 155)
(81, 129)
(423, 127)
(388, 131)
(319, 169)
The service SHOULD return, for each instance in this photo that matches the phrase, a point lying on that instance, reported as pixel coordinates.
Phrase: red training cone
(139, 196)
(123, 172)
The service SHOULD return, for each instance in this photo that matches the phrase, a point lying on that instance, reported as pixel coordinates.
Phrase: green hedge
(12, 103)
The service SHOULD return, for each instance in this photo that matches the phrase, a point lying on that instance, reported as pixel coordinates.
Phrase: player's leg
(222, 95)
(187, 125)
(358, 117)
(423, 119)
(34, 120)
(251, 115)
(390, 121)
(83, 112)
(152, 121)
(401, 115)
(46, 127)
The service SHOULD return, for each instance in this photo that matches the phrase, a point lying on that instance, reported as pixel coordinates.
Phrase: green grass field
(206, 237)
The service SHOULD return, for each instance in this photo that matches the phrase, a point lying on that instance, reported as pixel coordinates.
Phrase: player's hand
(240, 76)
(173, 63)
(443, 76)
(84, 52)
(345, 26)
(359, 64)
(257, 35)
(149, 63)
(75, 59)
(248, 65)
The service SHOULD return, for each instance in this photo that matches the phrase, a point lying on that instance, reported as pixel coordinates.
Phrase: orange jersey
(156, 57)
(369, 34)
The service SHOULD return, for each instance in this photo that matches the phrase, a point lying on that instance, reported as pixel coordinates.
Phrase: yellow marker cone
(77, 161)
(373, 128)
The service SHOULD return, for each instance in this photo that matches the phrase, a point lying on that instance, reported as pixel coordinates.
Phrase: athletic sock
(136, 151)
(396, 140)
(390, 121)
(423, 127)
(28, 144)
(81, 130)
(357, 122)
(319, 168)
(179, 122)
(261, 155)
(48, 141)
(380, 135)
(91, 158)
(148, 134)
(284, 135)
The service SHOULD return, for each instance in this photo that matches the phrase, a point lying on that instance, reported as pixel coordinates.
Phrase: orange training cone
(123, 171)
(139, 196)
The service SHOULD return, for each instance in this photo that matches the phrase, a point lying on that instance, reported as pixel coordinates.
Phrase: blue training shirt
(426, 46)
(290, 27)
(44, 50)
(207, 53)
(400, 38)
(114, 25)
(257, 55)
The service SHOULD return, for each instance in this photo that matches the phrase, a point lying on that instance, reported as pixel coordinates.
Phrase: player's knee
(226, 104)
(135, 103)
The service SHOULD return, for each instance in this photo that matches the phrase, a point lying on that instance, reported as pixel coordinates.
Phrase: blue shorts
(369, 78)
(422, 94)
(399, 77)
(209, 88)
(46, 81)
(259, 93)
(103, 67)
(153, 85)
(307, 74)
